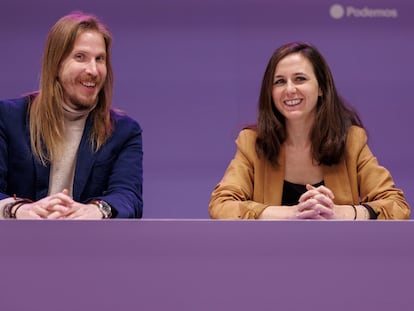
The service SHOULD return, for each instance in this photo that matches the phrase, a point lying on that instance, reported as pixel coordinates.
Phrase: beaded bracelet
(7, 210)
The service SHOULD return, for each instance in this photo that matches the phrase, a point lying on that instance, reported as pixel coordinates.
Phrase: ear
(320, 92)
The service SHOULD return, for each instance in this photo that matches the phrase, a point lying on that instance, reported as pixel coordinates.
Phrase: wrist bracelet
(7, 210)
(355, 210)
(14, 212)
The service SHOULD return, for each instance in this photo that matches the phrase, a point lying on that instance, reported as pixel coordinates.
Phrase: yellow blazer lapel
(273, 180)
(336, 178)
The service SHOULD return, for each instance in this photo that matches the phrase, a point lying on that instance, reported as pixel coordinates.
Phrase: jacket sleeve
(232, 196)
(376, 185)
(124, 182)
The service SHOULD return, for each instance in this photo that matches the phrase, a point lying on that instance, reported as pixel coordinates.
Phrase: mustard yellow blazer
(251, 184)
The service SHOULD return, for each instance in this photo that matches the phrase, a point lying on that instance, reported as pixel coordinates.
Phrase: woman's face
(295, 88)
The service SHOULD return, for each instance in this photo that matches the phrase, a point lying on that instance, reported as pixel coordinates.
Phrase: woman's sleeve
(377, 188)
(232, 196)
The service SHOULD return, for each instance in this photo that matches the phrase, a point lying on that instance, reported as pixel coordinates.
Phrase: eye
(101, 59)
(79, 57)
(300, 79)
(278, 82)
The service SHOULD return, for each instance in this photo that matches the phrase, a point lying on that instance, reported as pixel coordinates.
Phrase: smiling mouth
(293, 102)
(89, 84)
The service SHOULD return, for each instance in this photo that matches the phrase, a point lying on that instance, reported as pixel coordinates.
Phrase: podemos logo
(338, 11)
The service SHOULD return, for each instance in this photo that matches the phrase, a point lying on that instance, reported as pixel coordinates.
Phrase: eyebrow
(295, 74)
(87, 52)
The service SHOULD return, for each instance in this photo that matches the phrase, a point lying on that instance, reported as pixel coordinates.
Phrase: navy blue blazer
(113, 174)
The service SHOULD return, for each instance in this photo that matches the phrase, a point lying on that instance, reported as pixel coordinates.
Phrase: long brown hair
(46, 111)
(333, 116)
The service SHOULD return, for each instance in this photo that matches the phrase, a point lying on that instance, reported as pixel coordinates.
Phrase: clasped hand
(316, 203)
(58, 206)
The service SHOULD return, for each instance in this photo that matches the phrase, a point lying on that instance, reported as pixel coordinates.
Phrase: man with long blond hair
(64, 153)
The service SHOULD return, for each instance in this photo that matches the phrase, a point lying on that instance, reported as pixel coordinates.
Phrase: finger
(75, 215)
(308, 195)
(315, 202)
(31, 211)
(314, 192)
(324, 211)
(62, 209)
(54, 204)
(308, 214)
(63, 197)
(306, 205)
(309, 187)
(55, 215)
(75, 212)
(326, 191)
(39, 210)
(315, 205)
(322, 189)
(324, 200)
(313, 214)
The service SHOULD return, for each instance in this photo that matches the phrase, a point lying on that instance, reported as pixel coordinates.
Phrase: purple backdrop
(189, 72)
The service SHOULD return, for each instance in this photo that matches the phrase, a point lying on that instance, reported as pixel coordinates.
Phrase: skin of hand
(316, 203)
(58, 206)
(83, 211)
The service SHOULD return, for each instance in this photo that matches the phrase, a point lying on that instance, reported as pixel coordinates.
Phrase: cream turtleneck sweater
(62, 172)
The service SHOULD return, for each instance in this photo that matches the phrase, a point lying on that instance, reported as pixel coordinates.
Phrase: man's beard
(79, 105)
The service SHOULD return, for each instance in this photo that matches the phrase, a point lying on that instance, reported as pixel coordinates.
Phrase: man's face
(83, 72)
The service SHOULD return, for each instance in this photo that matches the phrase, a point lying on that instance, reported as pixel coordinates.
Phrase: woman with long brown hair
(307, 157)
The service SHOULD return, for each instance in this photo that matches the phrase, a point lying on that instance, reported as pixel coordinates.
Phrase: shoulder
(356, 139)
(246, 143)
(123, 122)
(15, 104)
(247, 136)
(356, 135)
(14, 111)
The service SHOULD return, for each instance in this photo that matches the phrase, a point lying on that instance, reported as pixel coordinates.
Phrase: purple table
(209, 265)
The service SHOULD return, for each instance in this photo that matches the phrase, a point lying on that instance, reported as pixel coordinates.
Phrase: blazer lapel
(42, 179)
(336, 178)
(42, 172)
(273, 180)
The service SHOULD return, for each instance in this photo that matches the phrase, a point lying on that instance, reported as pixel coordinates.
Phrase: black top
(292, 192)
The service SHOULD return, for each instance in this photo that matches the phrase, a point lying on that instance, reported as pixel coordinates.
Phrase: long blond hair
(46, 111)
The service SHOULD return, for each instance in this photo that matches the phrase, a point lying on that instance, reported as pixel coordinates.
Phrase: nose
(290, 87)
(91, 68)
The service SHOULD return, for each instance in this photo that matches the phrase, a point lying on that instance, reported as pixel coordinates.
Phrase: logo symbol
(337, 11)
